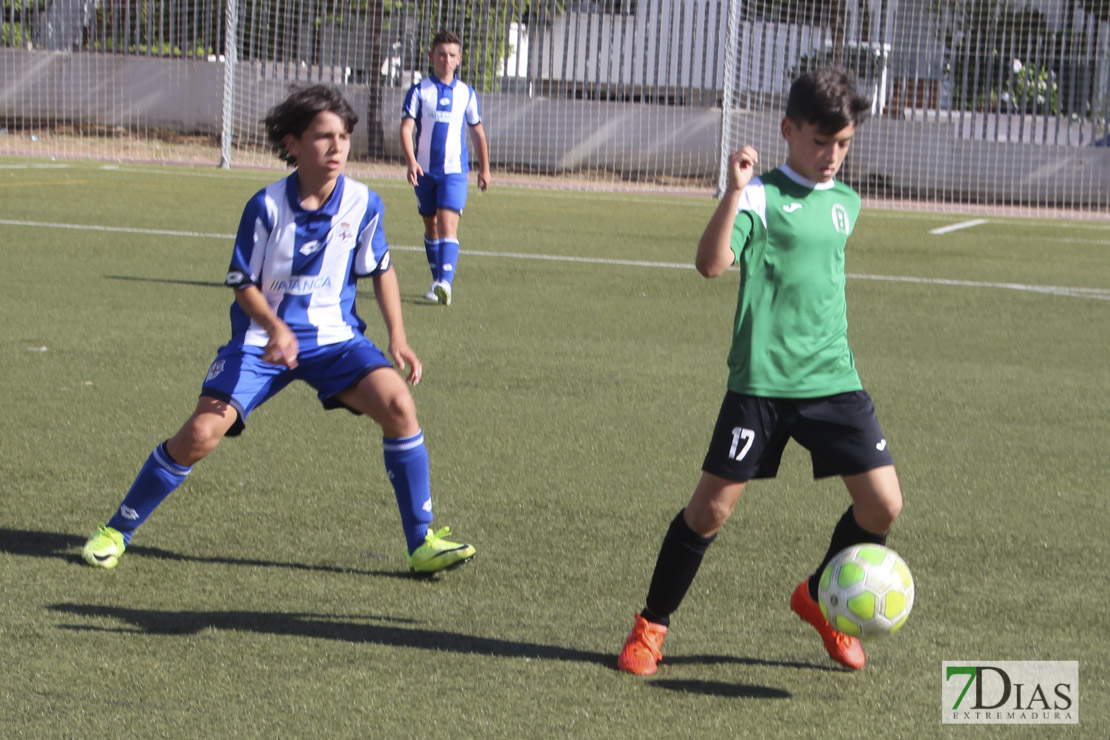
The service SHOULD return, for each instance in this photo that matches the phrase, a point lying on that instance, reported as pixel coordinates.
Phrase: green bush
(1032, 90)
(11, 35)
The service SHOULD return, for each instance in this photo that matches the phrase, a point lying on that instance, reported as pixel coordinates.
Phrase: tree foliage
(483, 26)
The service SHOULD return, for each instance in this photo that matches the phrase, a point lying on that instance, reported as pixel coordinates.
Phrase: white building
(676, 51)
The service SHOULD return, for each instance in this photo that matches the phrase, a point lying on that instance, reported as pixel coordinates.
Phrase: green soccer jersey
(791, 328)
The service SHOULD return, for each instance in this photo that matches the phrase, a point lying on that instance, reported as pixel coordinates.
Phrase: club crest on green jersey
(840, 219)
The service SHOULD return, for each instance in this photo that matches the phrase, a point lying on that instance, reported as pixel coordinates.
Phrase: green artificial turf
(567, 400)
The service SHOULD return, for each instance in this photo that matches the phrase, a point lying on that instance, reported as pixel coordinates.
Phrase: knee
(879, 515)
(194, 441)
(894, 507)
(706, 516)
(445, 224)
(399, 415)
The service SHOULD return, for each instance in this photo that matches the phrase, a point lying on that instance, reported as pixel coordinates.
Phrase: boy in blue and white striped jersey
(434, 118)
(302, 245)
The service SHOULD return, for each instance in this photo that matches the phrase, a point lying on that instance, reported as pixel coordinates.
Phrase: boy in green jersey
(791, 373)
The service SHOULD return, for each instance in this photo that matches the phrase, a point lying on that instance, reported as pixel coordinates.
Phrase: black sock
(848, 532)
(166, 452)
(678, 563)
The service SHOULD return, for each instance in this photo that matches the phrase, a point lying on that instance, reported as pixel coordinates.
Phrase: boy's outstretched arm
(282, 349)
(714, 250)
(388, 294)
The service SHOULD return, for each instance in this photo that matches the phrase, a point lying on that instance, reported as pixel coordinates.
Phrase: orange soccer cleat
(844, 649)
(641, 654)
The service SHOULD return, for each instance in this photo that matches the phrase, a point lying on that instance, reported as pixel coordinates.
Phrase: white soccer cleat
(442, 289)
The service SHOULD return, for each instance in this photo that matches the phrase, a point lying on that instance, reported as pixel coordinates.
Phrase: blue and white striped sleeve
(372, 251)
(250, 243)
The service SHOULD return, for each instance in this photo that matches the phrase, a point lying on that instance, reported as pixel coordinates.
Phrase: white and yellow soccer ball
(866, 591)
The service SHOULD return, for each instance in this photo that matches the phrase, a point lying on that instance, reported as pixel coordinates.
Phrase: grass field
(567, 400)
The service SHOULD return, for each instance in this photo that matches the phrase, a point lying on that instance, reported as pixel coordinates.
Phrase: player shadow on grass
(720, 688)
(388, 633)
(171, 281)
(62, 546)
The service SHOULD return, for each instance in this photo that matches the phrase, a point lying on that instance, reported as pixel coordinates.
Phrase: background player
(791, 373)
(433, 118)
(302, 244)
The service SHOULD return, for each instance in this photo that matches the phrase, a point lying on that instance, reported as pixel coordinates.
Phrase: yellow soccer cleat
(437, 554)
(104, 548)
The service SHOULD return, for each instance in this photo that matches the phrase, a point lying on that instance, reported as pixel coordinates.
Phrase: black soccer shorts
(840, 432)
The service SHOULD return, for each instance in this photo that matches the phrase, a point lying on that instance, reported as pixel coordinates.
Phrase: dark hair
(445, 37)
(827, 97)
(294, 115)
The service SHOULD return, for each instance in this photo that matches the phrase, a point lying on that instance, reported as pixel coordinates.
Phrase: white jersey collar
(789, 172)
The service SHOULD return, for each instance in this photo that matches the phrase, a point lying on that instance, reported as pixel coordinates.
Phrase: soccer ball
(866, 591)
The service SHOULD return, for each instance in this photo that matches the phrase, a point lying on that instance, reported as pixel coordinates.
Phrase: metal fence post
(732, 42)
(231, 57)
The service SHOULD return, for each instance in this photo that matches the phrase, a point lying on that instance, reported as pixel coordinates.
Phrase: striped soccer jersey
(306, 263)
(442, 113)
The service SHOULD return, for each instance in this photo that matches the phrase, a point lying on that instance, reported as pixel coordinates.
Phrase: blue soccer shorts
(840, 432)
(441, 191)
(239, 377)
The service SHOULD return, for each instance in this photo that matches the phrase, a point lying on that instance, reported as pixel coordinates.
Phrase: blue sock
(406, 462)
(448, 257)
(431, 249)
(157, 479)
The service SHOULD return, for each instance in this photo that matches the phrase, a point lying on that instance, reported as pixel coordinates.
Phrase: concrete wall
(44, 87)
(928, 158)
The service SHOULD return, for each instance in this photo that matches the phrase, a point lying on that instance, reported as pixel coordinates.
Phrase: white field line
(564, 258)
(956, 227)
(1101, 294)
(34, 166)
(115, 229)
